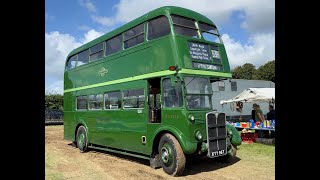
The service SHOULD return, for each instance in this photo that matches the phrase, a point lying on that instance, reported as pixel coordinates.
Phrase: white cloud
(91, 35)
(258, 50)
(54, 87)
(57, 47)
(84, 28)
(260, 17)
(88, 5)
(48, 17)
(105, 21)
(257, 15)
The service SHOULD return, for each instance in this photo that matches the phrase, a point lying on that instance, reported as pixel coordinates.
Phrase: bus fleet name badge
(103, 71)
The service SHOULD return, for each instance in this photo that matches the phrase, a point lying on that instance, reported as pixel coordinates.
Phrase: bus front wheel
(172, 158)
(82, 139)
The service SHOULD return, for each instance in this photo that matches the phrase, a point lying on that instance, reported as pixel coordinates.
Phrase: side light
(191, 118)
(198, 135)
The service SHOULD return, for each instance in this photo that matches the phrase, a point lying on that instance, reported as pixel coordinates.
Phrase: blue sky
(247, 27)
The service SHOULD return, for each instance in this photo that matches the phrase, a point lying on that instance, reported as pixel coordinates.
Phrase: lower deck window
(95, 101)
(112, 100)
(133, 98)
(82, 103)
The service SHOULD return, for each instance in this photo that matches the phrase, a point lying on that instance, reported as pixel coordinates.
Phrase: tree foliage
(249, 71)
(266, 72)
(245, 71)
(53, 100)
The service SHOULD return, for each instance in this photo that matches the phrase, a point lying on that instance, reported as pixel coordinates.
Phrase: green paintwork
(236, 139)
(152, 75)
(130, 69)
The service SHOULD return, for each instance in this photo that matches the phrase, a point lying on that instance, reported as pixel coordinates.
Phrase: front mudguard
(235, 136)
(231, 149)
(188, 146)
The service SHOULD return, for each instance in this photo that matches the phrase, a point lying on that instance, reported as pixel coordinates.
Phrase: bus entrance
(154, 100)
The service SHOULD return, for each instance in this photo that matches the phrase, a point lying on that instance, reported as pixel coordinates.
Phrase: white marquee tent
(253, 95)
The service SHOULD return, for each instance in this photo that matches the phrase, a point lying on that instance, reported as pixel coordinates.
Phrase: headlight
(198, 135)
(191, 117)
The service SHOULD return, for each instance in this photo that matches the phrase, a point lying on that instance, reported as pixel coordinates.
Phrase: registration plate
(217, 153)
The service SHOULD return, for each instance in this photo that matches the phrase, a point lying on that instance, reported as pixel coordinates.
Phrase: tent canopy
(253, 95)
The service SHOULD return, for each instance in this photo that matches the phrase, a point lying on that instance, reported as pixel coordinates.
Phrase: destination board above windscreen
(209, 54)
(199, 51)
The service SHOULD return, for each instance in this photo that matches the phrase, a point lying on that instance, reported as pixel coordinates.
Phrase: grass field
(63, 161)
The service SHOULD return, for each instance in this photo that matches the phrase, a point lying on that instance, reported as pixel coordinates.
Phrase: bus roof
(154, 13)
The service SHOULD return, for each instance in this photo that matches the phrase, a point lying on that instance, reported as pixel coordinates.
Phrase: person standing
(271, 113)
(259, 118)
(253, 113)
(258, 113)
(271, 116)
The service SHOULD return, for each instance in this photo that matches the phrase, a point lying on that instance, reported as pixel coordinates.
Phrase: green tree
(266, 72)
(53, 100)
(245, 71)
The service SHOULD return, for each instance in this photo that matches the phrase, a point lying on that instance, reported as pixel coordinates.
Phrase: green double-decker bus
(144, 90)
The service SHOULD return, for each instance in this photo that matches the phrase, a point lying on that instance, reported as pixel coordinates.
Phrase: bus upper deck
(149, 45)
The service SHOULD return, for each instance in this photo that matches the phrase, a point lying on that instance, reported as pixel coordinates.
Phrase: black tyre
(172, 158)
(82, 139)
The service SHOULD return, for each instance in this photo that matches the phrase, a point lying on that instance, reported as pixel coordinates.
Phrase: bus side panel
(69, 127)
(134, 124)
(177, 119)
(68, 117)
(121, 129)
(108, 129)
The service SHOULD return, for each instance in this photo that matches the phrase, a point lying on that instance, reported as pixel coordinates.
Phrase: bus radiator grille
(216, 134)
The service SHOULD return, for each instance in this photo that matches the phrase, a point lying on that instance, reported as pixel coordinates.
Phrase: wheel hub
(81, 140)
(166, 155)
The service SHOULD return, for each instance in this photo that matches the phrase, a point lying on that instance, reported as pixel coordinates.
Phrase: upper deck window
(96, 52)
(209, 32)
(158, 27)
(83, 57)
(71, 62)
(184, 26)
(114, 44)
(133, 36)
